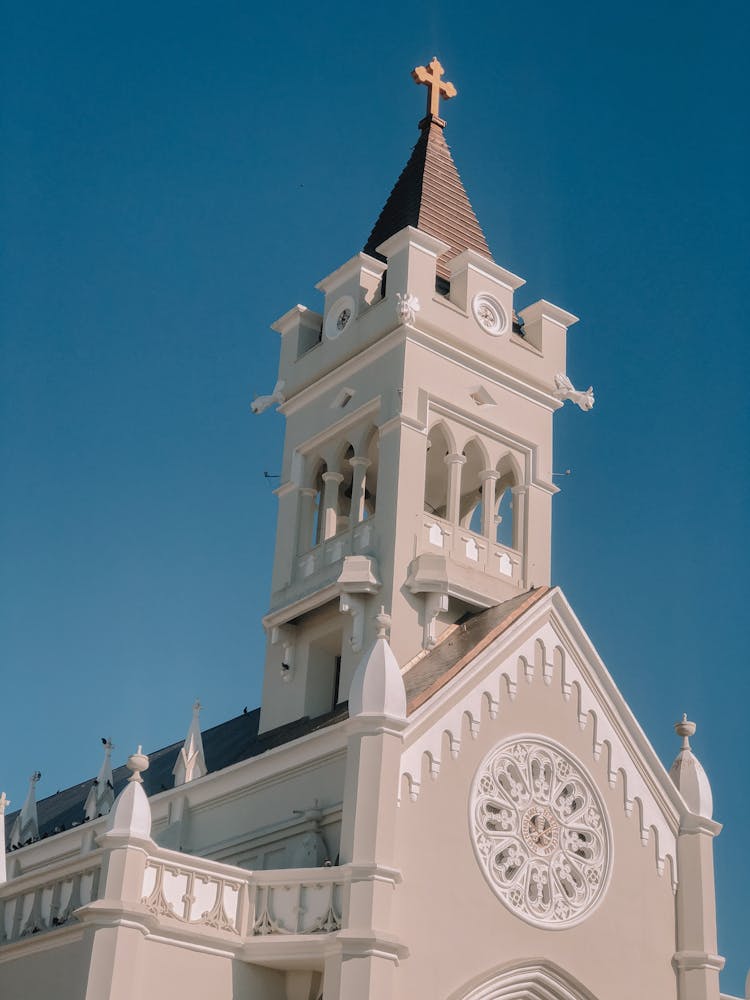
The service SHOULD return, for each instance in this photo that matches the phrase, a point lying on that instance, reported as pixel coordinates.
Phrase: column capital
(359, 461)
(332, 477)
(455, 459)
(489, 474)
(307, 491)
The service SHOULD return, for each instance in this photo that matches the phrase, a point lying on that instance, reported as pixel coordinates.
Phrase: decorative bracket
(434, 603)
(287, 636)
(354, 605)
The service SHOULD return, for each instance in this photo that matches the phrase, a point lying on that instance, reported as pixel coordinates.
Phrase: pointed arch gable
(528, 979)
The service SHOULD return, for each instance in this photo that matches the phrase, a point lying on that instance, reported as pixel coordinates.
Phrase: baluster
(189, 897)
(57, 915)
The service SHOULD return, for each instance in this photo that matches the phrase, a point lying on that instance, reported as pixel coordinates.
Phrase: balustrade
(43, 901)
(470, 549)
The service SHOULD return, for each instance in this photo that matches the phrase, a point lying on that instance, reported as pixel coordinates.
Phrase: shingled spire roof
(430, 196)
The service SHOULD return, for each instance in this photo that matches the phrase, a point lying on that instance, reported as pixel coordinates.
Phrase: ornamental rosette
(540, 831)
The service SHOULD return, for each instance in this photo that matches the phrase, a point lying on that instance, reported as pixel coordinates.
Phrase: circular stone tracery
(540, 832)
(489, 314)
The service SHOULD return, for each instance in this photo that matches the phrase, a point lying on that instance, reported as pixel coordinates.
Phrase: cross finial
(4, 802)
(197, 706)
(430, 75)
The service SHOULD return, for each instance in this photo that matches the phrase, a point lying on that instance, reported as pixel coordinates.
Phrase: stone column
(696, 960)
(453, 508)
(367, 952)
(489, 477)
(359, 466)
(330, 513)
(305, 540)
(117, 922)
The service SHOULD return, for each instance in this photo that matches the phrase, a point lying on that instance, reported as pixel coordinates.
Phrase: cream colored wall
(620, 951)
(59, 972)
(223, 829)
(177, 973)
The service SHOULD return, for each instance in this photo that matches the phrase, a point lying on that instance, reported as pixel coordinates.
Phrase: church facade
(443, 793)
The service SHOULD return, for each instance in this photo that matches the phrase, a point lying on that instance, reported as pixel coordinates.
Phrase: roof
(228, 743)
(238, 739)
(459, 645)
(429, 195)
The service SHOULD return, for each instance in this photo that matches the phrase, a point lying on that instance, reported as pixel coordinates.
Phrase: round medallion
(489, 314)
(540, 831)
(339, 317)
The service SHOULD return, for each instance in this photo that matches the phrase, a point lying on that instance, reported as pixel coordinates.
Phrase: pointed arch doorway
(531, 980)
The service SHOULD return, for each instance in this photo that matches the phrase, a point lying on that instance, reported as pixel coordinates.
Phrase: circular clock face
(489, 314)
(540, 832)
(339, 317)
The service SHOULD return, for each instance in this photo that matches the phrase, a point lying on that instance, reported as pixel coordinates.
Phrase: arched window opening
(371, 479)
(509, 506)
(470, 510)
(343, 507)
(316, 535)
(436, 472)
(504, 519)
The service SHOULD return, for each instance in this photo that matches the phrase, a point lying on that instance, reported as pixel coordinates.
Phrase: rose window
(540, 832)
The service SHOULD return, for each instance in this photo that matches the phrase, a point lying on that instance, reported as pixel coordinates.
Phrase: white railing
(204, 894)
(330, 552)
(208, 894)
(180, 890)
(298, 902)
(44, 900)
(470, 549)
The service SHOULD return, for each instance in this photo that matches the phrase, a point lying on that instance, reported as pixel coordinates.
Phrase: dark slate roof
(430, 196)
(223, 745)
(461, 645)
(238, 739)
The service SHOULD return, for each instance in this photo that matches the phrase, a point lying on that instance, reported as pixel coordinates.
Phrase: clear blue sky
(176, 176)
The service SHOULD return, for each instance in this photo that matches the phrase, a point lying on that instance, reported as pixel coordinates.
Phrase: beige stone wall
(59, 971)
(456, 928)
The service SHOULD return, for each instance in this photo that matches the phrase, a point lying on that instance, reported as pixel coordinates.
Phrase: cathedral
(443, 795)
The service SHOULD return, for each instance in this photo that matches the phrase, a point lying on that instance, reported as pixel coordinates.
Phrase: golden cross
(436, 88)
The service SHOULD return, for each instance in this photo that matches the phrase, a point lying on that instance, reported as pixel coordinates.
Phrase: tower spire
(429, 195)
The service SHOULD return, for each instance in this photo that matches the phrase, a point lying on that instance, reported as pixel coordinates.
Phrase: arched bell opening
(508, 504)
(439, 447)
(470, 507)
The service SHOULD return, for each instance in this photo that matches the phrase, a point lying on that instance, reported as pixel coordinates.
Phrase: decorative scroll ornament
(540, 832)
(408, 307)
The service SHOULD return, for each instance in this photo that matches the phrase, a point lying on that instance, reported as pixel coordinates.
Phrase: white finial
(685, 729)
(136, 763)
(377, 688)
(101, 796)
(26, 826)
(191, 760)
(130, 816)
(4, 801)
(688, 774)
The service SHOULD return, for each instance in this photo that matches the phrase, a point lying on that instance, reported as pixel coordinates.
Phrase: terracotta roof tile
(430, 196)
(459, 646)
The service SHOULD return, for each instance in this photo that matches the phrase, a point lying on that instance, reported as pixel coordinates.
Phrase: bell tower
(417, 468)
